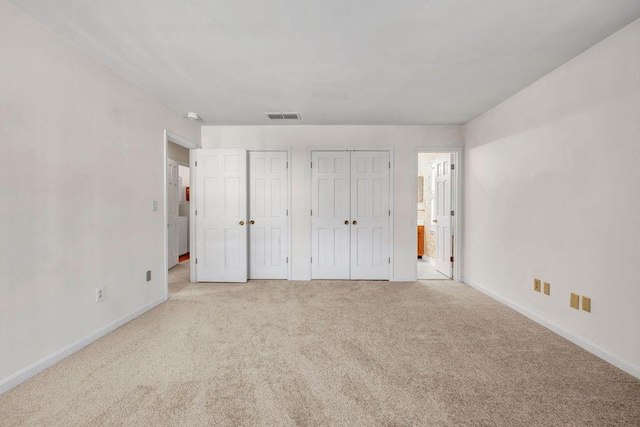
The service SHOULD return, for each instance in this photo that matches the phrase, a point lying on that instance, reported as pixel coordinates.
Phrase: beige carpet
(327, 353)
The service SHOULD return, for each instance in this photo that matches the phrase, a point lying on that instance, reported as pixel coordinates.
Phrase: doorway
(177, 204)
(176, 212)
(435, 211)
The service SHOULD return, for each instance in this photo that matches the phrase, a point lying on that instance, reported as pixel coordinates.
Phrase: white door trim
(189, 145)
(457, 198)
(311, 149)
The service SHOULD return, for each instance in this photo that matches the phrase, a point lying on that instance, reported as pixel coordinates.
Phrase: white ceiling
(334, 61)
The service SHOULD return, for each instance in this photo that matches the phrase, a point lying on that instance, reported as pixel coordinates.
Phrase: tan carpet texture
(327, 353)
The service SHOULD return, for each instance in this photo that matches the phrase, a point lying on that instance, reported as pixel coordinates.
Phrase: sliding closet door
(268, 215)
(330, 220)
(221, 209)
(370, 214)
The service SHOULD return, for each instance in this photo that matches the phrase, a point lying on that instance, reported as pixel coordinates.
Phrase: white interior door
(442, 217)
(330, 214)
(172, 212)
(268, 234)
(221, 215)
(370, 214)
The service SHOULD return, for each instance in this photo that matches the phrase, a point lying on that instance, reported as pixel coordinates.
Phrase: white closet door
(442, 215)
(172, 212)
(370, 215)
(221, 206)
(267, 214)
(330, 204)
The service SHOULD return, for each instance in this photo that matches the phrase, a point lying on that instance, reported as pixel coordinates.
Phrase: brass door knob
(241, 223)
(252, 222)
(355, 222)
(346, 222)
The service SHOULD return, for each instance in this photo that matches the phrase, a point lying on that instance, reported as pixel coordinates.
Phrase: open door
(442, 216)
(221, 215)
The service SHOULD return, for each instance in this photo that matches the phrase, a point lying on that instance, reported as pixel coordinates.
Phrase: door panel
(330, 206)
(350, 215)
(268, 212)
(370, 215)
(221, 207)
(443, 214)
(172, 213)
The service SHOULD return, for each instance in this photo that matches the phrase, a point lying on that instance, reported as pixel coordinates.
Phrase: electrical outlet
(99, 294)
(148, 275)
(547, 288)
(575, 301)
(536, 285)
(154, 205)
(586, 304)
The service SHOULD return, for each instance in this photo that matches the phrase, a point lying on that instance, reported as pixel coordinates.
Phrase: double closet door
(350, 215)
(241, 215)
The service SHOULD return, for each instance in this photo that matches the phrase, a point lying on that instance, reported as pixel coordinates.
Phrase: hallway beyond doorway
(427, 271)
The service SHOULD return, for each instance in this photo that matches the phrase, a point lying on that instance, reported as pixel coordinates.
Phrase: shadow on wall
(566, 94)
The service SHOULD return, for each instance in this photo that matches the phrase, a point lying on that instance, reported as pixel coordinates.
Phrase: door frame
(310, 151)
(288, 203)
(189, 145)
(456, 187)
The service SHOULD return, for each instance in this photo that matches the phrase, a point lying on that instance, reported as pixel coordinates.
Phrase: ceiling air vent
(283, 116)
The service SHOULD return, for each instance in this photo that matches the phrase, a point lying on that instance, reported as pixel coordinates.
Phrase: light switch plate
(547, 288)
(154, 206)
(586, 304)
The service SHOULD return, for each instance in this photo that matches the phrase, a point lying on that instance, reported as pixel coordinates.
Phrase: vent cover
(283, 116)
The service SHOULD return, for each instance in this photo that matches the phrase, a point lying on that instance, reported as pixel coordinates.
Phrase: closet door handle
(241, 223)
(346, 222)
(355, 222)
(252, 222)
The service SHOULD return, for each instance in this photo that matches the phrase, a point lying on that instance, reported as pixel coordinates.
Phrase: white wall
(403, 139)
(88, 149)
(178, 153)
(553, 191)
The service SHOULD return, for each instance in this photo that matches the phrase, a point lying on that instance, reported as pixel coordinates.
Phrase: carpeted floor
(327, 353)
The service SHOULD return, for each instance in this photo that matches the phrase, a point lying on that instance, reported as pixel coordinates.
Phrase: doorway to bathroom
(435, 213)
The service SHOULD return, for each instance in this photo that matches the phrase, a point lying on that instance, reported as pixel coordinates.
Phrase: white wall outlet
(99, 294)
(154, 206)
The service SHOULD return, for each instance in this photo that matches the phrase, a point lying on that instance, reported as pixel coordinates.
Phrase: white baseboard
(13, 380)
(628, 367)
